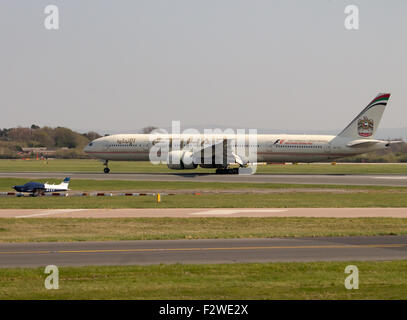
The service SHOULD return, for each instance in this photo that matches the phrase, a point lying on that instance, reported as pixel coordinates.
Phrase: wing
(218, 153)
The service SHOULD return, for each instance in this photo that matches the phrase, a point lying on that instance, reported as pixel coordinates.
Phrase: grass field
(115, 185)
(317, 280)
(71, 229)
(145, 167)
(250, 200)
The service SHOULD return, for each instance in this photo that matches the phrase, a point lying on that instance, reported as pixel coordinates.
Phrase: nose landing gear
(106, 170)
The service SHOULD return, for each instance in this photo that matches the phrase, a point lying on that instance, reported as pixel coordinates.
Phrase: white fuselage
(55, 187)
(187, 151)
(270, 147)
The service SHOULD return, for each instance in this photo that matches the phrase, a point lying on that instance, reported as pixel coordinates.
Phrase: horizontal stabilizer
(362, 143)
(395, 142)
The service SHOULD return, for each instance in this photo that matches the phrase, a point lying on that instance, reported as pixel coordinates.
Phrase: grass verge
(146, 167)
(72, 229)
(316, 280)
(115, 185)
(248, 200)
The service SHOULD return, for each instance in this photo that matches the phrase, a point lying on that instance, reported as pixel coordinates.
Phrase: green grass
(146, 167)
(75, 165)
(249, 200)
(104, 229)
(283, 195)
(115, 185)
(316, 280)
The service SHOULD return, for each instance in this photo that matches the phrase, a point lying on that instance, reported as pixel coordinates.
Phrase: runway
(203, 251)
(382, 180)
(206, 213)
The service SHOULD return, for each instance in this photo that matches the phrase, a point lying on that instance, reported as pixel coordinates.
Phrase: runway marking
(233, 211)
(26, 252)
(50, 212)
(390, 177)
(350, 246)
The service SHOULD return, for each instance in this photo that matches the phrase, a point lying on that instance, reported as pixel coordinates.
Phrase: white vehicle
(356, 138)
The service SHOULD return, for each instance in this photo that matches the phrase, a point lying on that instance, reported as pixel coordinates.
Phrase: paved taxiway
(203, 251)
(383, 180)
(206, 212)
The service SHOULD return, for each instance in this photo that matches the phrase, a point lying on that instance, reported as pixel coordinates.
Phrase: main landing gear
(106, 170)
(37, 193)
(227, 171)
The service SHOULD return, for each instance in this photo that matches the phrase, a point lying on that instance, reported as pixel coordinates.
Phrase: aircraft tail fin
(65, 183)
(364, 126)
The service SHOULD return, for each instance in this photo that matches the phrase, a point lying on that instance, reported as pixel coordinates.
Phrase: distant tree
(20, 134)
(148, 129)
(41, 138)
(91, 135)
(34, 127)
(65, 137)
(4, 133)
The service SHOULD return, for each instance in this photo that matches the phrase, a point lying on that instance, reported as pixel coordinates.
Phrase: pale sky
(123, 65)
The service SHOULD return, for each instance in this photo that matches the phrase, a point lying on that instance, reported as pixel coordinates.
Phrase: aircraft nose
(89, 147)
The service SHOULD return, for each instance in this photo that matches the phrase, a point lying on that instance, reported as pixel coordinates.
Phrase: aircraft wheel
(227, 171)
(106, 170)
(219, 171)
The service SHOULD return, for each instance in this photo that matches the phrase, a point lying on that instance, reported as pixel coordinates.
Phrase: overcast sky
(123, 65)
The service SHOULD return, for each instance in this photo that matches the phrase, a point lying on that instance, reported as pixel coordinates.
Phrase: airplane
(356, 138)
(37, 188)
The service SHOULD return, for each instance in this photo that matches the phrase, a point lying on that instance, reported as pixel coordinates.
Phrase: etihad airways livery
(356, 138)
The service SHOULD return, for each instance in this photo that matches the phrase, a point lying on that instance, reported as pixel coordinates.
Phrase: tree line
(13, 140)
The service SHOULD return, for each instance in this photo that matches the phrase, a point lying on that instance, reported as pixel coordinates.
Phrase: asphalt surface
(206, 212)
(383, 180)
(203, 251)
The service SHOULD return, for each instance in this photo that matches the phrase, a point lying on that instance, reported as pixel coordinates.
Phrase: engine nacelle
(180, 159)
